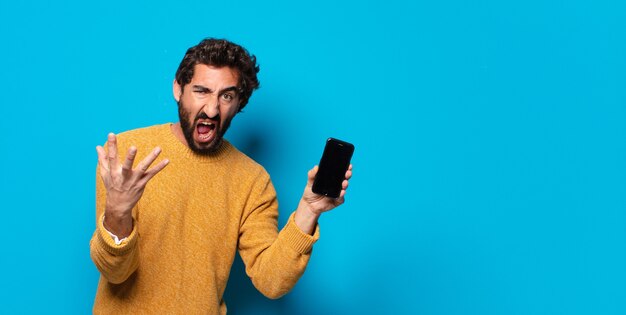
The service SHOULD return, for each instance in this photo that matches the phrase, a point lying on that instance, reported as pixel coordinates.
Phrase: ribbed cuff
(108, 243)
(301, 242)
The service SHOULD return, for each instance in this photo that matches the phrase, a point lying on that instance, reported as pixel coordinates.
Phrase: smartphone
(332, 168)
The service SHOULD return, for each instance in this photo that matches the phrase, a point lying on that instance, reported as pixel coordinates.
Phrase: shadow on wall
(251, 136)
(241, 296)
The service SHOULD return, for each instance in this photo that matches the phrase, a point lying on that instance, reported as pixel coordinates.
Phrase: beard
(189, 128)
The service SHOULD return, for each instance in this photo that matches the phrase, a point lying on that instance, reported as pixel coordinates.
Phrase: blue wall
(490, 163)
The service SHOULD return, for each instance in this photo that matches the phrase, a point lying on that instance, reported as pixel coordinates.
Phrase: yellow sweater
(192, 218)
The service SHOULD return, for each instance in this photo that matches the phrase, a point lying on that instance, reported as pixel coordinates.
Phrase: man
(168, 247)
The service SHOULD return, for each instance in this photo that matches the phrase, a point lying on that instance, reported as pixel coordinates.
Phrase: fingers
(349, 172)
(156, 169)
(311, 175)
(112, 146)
(344, 186)
(346, 183)
(341, 198)
(103, 162)
(148, 160)
(127, 167)
(102, 156)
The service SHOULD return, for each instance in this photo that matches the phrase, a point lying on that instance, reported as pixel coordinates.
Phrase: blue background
(490, 163)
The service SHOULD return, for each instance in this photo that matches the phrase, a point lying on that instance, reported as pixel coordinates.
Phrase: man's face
(206, 106)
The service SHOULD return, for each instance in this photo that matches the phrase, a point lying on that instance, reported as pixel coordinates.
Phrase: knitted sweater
(188, 224)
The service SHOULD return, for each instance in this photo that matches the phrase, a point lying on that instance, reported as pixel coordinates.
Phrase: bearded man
(168, 247)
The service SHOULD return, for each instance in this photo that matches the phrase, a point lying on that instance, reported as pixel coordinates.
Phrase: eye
(228, 97)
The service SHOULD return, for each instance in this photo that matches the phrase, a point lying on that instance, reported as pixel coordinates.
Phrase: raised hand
(124, 185)
(312, 205)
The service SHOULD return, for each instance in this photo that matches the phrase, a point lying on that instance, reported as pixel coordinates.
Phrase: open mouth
(205, 131)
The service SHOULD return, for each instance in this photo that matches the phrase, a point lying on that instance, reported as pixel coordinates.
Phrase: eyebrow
(230, 88)
(206, 89)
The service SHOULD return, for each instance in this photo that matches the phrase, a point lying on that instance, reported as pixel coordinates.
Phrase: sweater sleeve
(274, 261)
(116, 262)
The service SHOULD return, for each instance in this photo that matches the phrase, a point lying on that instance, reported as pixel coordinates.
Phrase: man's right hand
(124, 185)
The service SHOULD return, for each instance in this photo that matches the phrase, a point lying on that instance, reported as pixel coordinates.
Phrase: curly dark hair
(221, 53)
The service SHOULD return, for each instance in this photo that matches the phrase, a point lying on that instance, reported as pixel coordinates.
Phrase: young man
(168, 247)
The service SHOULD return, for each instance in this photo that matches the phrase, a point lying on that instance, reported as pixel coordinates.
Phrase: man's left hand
(312, 205)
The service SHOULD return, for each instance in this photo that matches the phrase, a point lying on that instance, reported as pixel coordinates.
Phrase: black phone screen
(332, 168)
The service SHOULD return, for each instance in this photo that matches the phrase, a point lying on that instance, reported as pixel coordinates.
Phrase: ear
(177, 90)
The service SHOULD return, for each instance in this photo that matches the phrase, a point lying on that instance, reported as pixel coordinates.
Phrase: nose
(212, 108)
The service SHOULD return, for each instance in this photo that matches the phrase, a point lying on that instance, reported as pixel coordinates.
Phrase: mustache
(203, 115)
